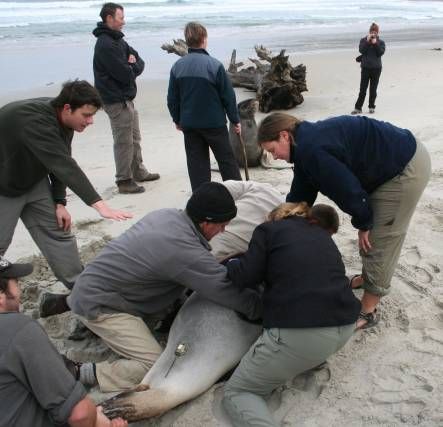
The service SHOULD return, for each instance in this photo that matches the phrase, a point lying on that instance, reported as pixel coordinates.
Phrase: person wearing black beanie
(143, 274)
(211, 202)
(210, 208)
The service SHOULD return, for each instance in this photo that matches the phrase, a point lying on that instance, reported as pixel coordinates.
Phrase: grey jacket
(145, 270)
(36, 389)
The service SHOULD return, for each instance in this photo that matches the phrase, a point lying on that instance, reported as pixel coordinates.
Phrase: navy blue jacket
(303, 272)
(114, 76)
(371, 53)
(346, 158)
(200, 93)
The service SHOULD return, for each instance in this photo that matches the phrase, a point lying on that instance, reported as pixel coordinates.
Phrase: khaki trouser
(393, 205)
(277, 356)
(37, 211)
(129, 337)
(126, 132)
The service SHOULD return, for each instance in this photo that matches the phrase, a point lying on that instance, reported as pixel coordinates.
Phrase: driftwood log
(278, 84)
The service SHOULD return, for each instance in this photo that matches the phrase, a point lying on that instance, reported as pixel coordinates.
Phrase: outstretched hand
(363, 241)
(106, 212)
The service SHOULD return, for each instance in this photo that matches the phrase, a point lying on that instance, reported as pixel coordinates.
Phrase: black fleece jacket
(371, 53)
(303, 272)
(34, 144)
(114, 76)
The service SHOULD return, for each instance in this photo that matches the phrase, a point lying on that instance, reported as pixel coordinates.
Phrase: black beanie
(211, 202)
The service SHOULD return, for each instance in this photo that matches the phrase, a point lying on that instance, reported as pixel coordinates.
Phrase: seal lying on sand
(206, 341)
(247, 110)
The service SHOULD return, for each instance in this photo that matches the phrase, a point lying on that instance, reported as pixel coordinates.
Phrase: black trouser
(197, 144)
(369, 76)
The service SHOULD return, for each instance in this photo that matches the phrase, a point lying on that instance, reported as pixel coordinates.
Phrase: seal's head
(247, 108)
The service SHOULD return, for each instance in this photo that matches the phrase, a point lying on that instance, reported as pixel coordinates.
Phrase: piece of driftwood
(179, 47)
(278, 84)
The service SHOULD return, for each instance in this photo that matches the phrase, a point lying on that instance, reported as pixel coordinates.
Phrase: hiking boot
(128, 186)
(372, 110)
(52, 304)
(356, 111)
(147, 177)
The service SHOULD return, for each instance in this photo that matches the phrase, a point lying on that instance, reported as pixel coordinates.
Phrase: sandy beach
(390, 375)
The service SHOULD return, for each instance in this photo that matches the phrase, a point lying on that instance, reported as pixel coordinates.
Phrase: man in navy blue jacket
(116, 66)
(200, 95)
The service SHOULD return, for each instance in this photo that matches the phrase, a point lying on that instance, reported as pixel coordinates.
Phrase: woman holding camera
(373, 170)
(371, 48)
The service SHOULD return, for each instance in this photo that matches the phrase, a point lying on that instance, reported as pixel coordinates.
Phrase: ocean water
(43, 41)
(31, 20)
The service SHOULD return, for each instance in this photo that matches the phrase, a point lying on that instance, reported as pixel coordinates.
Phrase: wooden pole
(245, 159)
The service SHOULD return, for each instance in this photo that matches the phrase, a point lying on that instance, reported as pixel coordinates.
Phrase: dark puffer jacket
(114, 76)
(371, 53)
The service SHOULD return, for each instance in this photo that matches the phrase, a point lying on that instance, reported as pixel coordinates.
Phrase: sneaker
(128, 186)
(355, 111)
(72, 367)
(372, 110)
(52, 304)
(147, 177)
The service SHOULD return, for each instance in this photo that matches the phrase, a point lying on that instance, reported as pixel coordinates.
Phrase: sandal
(371, 319)
(351, 279)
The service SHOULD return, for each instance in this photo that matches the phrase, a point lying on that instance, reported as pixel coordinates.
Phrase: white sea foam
(165, 13)
(62, 29)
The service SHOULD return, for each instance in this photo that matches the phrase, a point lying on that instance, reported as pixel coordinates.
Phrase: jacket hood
(102, 28)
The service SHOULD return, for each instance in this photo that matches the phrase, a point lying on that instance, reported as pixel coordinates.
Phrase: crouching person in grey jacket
(143, 272)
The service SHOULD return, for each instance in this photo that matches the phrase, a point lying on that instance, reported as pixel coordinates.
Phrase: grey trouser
(129, 337)
(393, 205)
(277, 356)
(126, 132)
(37, 211)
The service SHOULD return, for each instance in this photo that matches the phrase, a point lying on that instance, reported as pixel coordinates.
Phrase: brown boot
(128, 186)
(147, 177)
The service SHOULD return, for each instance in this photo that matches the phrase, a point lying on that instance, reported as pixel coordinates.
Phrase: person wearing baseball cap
(36, 388)
(142, 273)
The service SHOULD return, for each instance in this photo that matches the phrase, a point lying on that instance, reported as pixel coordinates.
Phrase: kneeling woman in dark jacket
(309, 309)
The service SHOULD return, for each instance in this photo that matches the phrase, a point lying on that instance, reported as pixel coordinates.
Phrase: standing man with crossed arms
(116, 66)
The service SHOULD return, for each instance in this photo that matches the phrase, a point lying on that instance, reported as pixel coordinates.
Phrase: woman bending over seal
(373, 170)
(309, 310)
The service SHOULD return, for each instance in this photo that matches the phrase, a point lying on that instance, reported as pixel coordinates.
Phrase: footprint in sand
(109, 193)
(412, 271)
(405, 395)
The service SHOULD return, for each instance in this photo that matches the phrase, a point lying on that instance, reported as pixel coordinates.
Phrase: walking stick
(245, 159)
